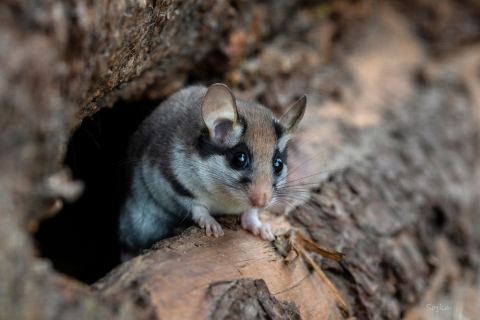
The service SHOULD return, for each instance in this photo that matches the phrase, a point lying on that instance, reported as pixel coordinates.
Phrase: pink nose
(260, 195)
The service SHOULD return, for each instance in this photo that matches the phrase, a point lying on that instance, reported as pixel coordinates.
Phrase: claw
(266, 232)
(252, 223)
(205, 220)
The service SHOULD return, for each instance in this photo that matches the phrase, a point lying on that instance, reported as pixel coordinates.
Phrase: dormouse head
(248, 146)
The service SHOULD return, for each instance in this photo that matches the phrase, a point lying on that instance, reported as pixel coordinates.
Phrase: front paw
(253, 225)
(212, 227)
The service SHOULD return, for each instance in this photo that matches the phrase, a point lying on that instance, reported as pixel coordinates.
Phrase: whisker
(303, 142)
(315, 174)
(305, 199)
(301, 165)
(328, 149)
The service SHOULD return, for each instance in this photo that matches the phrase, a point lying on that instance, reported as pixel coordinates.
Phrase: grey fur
(176, 167)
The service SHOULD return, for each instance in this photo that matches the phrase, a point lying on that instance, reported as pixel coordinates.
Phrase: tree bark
(61, 62)
(390, 144)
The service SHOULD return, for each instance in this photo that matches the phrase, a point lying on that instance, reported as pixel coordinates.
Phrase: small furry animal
(203, 152)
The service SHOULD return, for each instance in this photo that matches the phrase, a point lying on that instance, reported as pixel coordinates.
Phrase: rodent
(203, 152)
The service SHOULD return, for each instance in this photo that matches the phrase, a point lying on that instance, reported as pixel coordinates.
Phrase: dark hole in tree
(81, 240)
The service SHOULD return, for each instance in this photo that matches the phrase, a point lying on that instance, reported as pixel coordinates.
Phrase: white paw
(212, 227)
(250, 222)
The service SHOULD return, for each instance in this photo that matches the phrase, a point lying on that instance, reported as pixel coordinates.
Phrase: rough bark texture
(60, 62)
(196, 277)
(393, 116)
(260, 304)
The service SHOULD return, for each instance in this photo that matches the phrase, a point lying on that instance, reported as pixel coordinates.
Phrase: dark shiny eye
(240, 160)
(278, 165)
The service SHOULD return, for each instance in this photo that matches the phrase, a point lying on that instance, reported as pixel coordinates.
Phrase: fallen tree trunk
(399, 215)
(400, 198)
(191, 276)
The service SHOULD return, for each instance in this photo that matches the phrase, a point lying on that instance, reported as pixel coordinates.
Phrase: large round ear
(219, 112)
(291, 119)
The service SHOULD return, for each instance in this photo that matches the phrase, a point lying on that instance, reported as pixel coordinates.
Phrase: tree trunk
(387, 154)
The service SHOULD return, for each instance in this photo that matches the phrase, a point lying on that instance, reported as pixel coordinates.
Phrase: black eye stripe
(282, 155)
(279, 161)
(277, 165)
(240, 160)
(279, 131)
(245, 180)
(239, 157)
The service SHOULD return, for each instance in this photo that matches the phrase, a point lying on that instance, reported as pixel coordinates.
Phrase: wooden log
(397, 96)
(186, 277)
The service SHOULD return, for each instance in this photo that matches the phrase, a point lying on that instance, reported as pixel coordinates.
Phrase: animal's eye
(278, 165)
(240, 160)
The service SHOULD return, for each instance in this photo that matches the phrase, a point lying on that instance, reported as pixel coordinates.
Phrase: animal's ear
(219, 112)
(291, 119)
